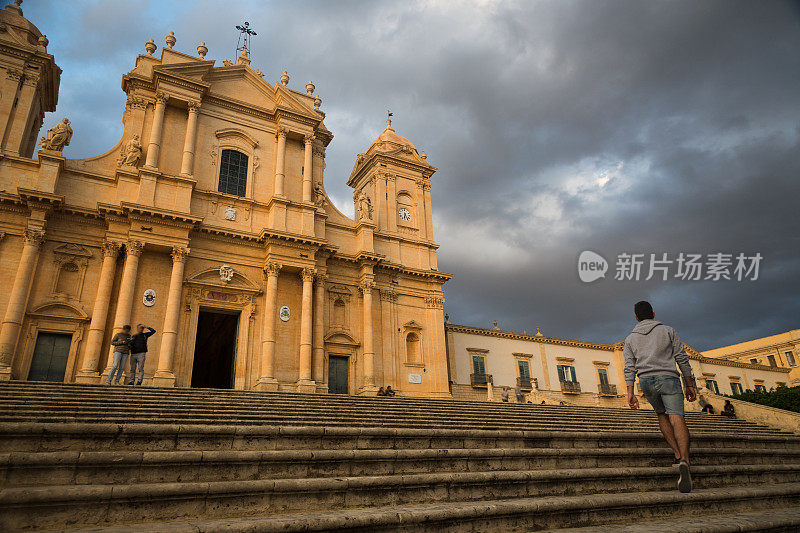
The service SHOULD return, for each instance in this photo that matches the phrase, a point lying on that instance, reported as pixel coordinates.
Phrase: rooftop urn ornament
(202, 50)
(317, 102)
(310, 87)
(538, 333)
(495, 326)
(285, 78)
(171, 40)
(150, 46)
(243, 59)
(423, 155)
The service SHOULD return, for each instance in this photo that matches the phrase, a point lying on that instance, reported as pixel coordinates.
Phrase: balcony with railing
(570, 387)
(480, 380)
(527, 383)
(606, 389)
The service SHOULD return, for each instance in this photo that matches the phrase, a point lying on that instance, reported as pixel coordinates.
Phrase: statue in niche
(319, 195)
(131, 153)
(364, 205)
(58, 137)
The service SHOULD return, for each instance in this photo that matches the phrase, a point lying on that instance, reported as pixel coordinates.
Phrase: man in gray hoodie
(652, 352)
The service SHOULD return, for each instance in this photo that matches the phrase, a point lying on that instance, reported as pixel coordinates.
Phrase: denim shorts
(664, 392)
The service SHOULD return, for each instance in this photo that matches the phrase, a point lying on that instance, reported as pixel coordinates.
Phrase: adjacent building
(781, 350)
(209, 221)
(551, 369)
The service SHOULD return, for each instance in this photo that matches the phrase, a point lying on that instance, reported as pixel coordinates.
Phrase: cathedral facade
(209, 222)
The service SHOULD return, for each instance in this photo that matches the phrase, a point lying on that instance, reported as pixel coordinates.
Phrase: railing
(527, 383)
(606, 389)
(570, 387)
(480, 380)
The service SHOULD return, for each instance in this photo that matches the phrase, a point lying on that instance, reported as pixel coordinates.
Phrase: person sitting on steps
(651, 352)
(381, 392)
(389, 391)
(728, 410)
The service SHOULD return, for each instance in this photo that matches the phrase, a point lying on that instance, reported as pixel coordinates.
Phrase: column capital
(134, 247)
(308, 139)
(434, 302)
(321, 278)
(388, 295)
(282, 131)
(307, 274)
(194, 107)
(179, 254)
(161, 97)
(34, 237)
(366, 286)
(111, 248)
(272, 268)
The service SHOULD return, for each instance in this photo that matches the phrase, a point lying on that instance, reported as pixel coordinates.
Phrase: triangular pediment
(412, 324)
(75, 250)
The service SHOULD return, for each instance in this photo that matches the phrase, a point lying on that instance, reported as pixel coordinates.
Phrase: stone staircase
(93, 457)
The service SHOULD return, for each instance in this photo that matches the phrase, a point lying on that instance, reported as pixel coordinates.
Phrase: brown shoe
(685, 479)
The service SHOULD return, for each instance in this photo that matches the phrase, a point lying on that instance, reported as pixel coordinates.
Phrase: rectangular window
(524, 369)
(566, 373)
(603, 375)
(760, 387)
(736, 388)
(754, 361)
(712, 386)
(771, 359)
(478, 365)
(790, 359)
(233, 173)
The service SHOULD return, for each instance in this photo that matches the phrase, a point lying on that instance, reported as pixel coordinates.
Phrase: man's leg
(140, 377)
(134, 366)
(114, 366)
(681, 435)
(669, 433)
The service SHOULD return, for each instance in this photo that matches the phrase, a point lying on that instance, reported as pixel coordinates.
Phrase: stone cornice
(764, 350)
(526, 337)
(139, 211)
(376, 158)
(697, 356)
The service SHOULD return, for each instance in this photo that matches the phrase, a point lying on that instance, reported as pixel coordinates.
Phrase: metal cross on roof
(245, 32)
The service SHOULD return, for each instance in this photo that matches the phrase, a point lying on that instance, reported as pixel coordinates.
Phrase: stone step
(773, 520)
(26, 469)
(522, 514)
(52, 506)
(289, 399)
(48, 437)
(392, 410)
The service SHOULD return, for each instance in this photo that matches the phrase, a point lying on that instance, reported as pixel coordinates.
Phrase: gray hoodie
(654, 349)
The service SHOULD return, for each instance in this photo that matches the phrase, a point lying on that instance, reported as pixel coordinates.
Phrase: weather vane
(245, 32)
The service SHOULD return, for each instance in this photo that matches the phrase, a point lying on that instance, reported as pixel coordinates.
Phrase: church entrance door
(50, 357)
(215, 349)
(338, 378)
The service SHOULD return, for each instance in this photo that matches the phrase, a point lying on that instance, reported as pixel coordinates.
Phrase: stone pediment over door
(214, 278)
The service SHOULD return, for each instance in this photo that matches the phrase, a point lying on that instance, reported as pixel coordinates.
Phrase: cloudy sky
(558, 126)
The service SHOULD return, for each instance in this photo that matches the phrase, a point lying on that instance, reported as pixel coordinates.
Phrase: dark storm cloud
(613, 126)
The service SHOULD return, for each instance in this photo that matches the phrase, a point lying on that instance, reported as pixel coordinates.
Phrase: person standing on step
(139, 353)
(651, 352)
(504, 395)
(121, 342)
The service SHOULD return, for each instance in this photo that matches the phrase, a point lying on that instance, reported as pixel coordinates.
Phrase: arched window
(412, 348)
(233, 173)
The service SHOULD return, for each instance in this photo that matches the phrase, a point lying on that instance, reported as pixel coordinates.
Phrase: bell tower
(29, 79)
(392, 188)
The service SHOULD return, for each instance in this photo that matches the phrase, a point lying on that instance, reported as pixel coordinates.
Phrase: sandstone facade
(208, 220)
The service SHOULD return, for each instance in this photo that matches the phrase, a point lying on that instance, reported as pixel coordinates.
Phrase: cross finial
(389, 115)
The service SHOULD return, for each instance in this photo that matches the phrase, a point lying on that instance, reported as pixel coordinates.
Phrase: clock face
(405, 214)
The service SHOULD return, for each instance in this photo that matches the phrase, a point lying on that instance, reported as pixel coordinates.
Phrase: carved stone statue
(131, 153)
(58, 137)
(319, 195)
(364, 207)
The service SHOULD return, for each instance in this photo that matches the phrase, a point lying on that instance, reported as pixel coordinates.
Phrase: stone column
(94, 339)
(133, 250)
(155, 131)
(18, 299)
(369, 350)
(280, 159)
(426, 198)
(187, 163)
(306, 313)
(318, 346)
(164, 377)
(308, 168)
(267, 380)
